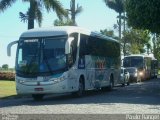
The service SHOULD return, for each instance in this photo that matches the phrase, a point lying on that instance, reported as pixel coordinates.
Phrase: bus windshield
(133, 62)
(42, 55)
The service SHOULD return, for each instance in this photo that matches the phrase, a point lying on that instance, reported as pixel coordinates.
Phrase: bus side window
(73, 51)
(83, 45)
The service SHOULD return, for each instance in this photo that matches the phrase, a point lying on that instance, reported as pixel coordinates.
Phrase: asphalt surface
(138, 98)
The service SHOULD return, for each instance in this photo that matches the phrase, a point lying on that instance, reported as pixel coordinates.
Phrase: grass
(7, 89)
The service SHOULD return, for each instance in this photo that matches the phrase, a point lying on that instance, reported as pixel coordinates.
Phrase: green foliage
(7, 76)
(106, 32)
(156, 44)
(74, 11)
(109, 33)
(35, 10)
(134, 41)
(63, 22)
(5, 66)
(144, 14)
(119, 7)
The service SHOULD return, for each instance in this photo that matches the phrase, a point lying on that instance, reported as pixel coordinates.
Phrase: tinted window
(83, 45)
(101, 47)
(133, 62)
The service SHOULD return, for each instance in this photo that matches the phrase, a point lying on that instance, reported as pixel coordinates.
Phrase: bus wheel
(80, 91)
(123, 84)
(155, 77)
(111, 83)
(139, 79)
(37, 97)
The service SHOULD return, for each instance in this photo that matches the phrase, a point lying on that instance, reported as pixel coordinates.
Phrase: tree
(156, 46)
(74, 11)
(63, 22)
(134, 41)
(35, 10)
(106, 32)
(118, 6)
(5, 66)
(109, 33)
(144, 14)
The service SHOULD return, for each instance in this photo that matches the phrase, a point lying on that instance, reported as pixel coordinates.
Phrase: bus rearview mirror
(9, 47)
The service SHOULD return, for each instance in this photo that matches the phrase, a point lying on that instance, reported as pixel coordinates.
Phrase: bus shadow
(134, 94)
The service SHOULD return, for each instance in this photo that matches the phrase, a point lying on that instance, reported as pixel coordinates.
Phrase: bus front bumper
(42, 87)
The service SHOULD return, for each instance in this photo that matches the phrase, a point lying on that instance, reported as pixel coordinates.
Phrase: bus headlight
(55, 80)
(21, 81)
(141, 73)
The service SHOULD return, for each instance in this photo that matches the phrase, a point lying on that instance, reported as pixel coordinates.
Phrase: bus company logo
(81, 63)
(9, 117)
(100, 64)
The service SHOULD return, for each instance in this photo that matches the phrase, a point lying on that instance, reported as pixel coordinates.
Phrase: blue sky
(95, 16)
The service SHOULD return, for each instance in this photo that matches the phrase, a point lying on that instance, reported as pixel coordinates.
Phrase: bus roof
(137, 55)
(61, 30)
(53, 31)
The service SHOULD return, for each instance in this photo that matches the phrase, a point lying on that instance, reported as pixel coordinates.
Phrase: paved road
(138, 98)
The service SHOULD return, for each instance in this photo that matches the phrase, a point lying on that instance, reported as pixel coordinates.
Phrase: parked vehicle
(125, 76)
(141, 62)
(154, 68)
(65, 59)
(134, 74)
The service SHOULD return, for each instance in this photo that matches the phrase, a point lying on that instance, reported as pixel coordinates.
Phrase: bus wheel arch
(82, 84)
(82, 79)
(81, 87)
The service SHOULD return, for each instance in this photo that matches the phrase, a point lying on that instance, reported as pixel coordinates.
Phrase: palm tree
(63, 22)
(118, 6)
(74, 11)
(35, 10)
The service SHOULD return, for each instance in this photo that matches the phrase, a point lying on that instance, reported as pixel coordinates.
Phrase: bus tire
(123, 84)
(104, 89)
(81, 88)
(111, 83)
(37, 97)
(140, 79)
(155, 76)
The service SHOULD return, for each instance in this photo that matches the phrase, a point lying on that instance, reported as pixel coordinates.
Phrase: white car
(125, 76)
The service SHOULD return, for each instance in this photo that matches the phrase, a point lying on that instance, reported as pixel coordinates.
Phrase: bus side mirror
(9, 47)
(68, 45)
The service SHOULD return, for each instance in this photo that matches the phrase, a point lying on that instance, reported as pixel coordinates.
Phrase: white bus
(65, 59)
(154, 68)
(141, 62)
